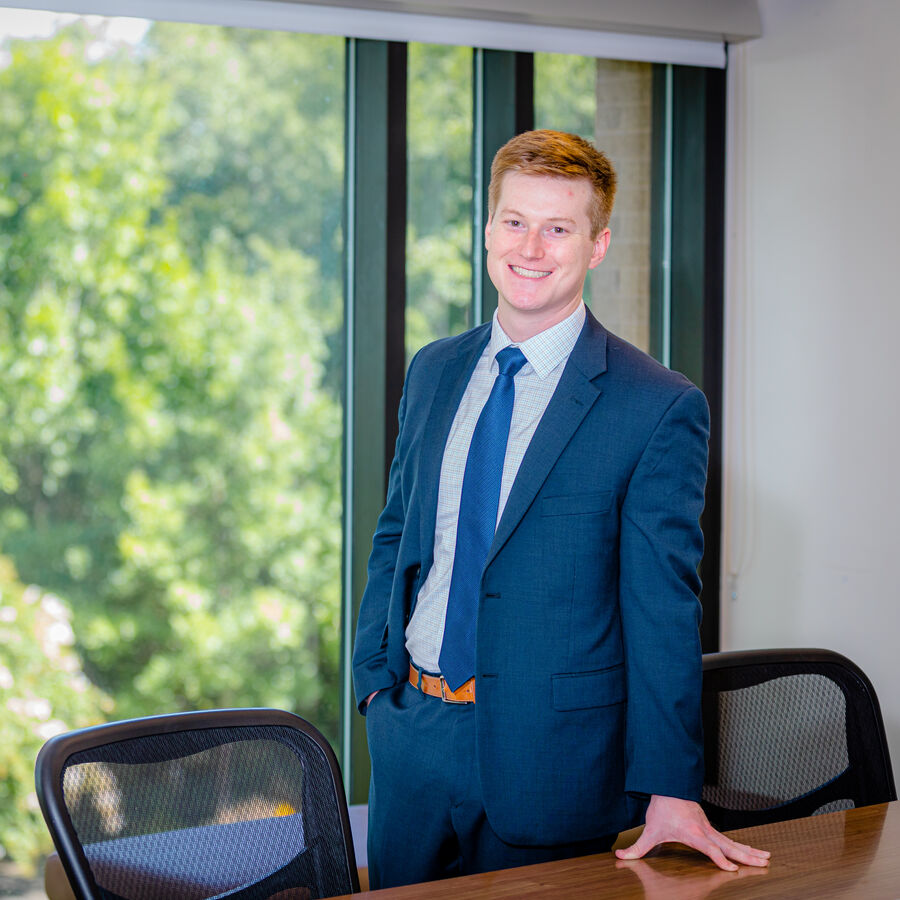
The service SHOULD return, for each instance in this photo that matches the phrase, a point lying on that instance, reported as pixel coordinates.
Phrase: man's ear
(487, 231)
(601, 245)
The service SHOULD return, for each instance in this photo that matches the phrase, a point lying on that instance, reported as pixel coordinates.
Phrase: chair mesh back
(778, 740)
(205, 813)
(788, 737)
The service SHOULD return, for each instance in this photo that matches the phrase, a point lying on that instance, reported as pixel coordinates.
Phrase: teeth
(529, 273)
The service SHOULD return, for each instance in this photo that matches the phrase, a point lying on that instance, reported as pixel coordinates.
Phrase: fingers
(639, 848)
(723, 851)
(748, 849)
(719, 858)
(743, 853)
(711, 843)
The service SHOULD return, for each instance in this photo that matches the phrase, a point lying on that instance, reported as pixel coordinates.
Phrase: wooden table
(855, 853)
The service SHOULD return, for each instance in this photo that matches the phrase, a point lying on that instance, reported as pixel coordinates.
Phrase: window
(611, 103)
(171, 346)
(179, 377)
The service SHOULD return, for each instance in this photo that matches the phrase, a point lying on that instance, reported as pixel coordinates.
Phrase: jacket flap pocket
(583, 690)
(577, 504)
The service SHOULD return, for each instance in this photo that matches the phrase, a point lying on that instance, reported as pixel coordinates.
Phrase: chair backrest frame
(53, 756)
(872, 776)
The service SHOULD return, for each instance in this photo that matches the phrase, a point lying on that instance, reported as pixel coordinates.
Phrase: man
(527, 654)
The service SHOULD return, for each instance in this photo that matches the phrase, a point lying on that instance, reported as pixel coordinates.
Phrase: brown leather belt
(436, 686)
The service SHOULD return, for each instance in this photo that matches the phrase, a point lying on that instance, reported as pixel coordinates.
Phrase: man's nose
(533, 244)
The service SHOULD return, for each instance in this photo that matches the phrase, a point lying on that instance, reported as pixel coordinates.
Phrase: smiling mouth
(529, 273)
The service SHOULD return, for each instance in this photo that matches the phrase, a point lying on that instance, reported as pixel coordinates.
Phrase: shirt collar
(547, 349)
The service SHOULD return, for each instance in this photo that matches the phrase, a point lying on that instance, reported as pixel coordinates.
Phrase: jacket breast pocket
(577, 504)
(585, 690)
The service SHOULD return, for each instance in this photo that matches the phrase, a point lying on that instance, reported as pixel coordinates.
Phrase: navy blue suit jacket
(588, 666)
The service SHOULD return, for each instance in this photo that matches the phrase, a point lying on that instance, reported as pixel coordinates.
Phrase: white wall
(812, 467)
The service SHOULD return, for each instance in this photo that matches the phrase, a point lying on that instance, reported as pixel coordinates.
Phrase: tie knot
(510, 359)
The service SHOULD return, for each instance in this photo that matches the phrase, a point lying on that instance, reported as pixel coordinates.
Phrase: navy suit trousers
(426, 814)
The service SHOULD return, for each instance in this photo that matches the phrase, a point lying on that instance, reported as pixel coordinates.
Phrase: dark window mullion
(690, 267)
(714, 350)
(375, 315)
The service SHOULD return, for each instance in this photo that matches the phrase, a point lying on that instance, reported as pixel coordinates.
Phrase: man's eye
(558, 229)
(513, 223)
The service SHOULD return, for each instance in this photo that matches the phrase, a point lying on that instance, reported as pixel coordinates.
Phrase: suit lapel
(449, 389)
(573, 398)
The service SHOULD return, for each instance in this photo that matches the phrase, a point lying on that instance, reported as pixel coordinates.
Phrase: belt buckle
(444, 696)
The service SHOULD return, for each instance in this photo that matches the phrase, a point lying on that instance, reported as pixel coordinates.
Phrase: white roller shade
(690, 32)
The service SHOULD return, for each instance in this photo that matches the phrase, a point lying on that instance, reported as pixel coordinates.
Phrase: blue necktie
(477, 521)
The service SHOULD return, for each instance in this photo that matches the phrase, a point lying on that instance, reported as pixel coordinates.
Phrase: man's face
(539, 249)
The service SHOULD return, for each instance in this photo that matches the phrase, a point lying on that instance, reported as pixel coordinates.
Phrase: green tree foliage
(439, 232)
(169, 414)
(42, 692)
(565, 93)
(258, 148)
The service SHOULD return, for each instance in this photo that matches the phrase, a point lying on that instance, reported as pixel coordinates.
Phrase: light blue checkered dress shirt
(547, 354)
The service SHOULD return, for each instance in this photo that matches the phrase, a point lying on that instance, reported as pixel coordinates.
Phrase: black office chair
(244, 804)
(790, 733)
